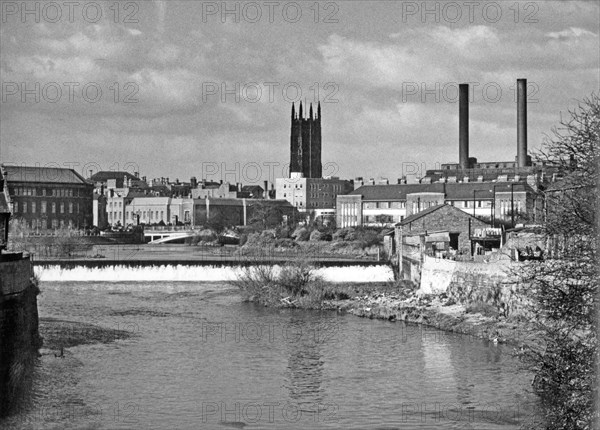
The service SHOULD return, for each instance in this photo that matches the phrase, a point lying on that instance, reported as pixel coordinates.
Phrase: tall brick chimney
(522, 123)
(463, 126)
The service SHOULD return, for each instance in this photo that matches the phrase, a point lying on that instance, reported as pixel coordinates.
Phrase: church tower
(305, 143)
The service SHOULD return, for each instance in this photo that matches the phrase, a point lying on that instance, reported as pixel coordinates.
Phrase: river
(191, 355)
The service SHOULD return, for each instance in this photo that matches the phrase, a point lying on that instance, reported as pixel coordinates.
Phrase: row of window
(131, 216)
(32, 207)
(426, 204)
(46, 223)
(48, 192)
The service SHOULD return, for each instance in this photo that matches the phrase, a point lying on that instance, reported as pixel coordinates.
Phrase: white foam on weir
(169, 272)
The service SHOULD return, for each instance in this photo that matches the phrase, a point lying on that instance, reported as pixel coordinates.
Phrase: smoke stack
(463, 126)
(266, 196)
(522, 122)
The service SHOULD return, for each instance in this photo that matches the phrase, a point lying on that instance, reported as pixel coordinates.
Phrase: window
(33, 207)
(161, 215)
(43, 206)
(478, 203)
(53, 207)
(70, 208)
(54, 223)
(24, 209)
(465, 204)
(62, 208)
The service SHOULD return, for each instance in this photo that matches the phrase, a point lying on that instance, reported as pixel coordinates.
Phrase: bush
(301, 234)
(295, 280)
(316, 235)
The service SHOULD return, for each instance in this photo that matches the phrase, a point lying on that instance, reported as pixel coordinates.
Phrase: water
(196, 357)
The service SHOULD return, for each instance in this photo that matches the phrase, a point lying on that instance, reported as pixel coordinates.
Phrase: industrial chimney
(266, 194)
(522, 123)
(463, 126)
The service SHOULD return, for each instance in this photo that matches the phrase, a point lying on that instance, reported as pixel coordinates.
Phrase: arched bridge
(167, 235)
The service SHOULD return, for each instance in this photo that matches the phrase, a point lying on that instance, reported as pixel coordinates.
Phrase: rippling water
(196, 357)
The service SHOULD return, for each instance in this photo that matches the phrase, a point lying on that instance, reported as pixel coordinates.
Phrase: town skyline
(374, 85)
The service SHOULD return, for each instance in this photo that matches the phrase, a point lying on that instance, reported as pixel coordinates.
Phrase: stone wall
(19, 336)
(15, 274)
(494, 285)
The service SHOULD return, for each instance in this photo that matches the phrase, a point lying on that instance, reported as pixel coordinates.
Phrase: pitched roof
(105, 175)
(396, 191)
(432, 209)
(421, 214)
(452, 191)
(55, 175)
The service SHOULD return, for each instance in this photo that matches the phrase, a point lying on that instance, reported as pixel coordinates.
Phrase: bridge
(167, 235)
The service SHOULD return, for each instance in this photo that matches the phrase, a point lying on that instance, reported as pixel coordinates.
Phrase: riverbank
(388, 301)
(440, 313)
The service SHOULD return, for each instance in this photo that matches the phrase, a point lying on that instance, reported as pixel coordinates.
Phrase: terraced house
(46, 198)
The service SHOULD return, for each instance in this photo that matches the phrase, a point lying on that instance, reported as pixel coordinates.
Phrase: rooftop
(452, 191)
(55, 175)
(105, 175)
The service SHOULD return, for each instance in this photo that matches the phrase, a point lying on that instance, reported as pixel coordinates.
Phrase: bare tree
(564, 287)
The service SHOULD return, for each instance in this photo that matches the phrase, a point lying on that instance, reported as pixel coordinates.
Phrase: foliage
(216, 222)
(301, 234)
(262, 283)
(316, 235)
(265, 215)
(565, 287)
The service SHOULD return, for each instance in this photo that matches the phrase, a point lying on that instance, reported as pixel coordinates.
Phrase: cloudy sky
(138, 85)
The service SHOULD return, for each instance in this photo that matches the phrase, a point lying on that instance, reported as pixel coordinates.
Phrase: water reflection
(304, 371)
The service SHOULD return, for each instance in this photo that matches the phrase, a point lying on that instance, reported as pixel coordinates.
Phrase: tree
(265, 215)
(564, 287)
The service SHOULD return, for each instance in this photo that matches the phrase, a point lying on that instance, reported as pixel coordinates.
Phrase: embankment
(19, 336)
(482, 299)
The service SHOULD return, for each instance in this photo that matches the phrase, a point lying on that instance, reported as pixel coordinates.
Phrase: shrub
(316, 235)
(301, 234)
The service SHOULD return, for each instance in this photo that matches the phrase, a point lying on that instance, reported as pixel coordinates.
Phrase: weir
(148, 271)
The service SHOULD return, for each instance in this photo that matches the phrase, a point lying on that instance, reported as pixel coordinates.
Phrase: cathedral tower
(305, 143)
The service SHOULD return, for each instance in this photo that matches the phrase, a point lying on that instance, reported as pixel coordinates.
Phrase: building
(216, 190)
(115, 179)
(50, 197)
(441, 231)
(312, 194)
(237, 212)
(497, 202)
(305, 143)
(4, 212)
(100, 215)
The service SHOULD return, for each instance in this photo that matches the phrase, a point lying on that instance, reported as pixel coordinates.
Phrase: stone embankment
(19, 336)
(439, 312)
